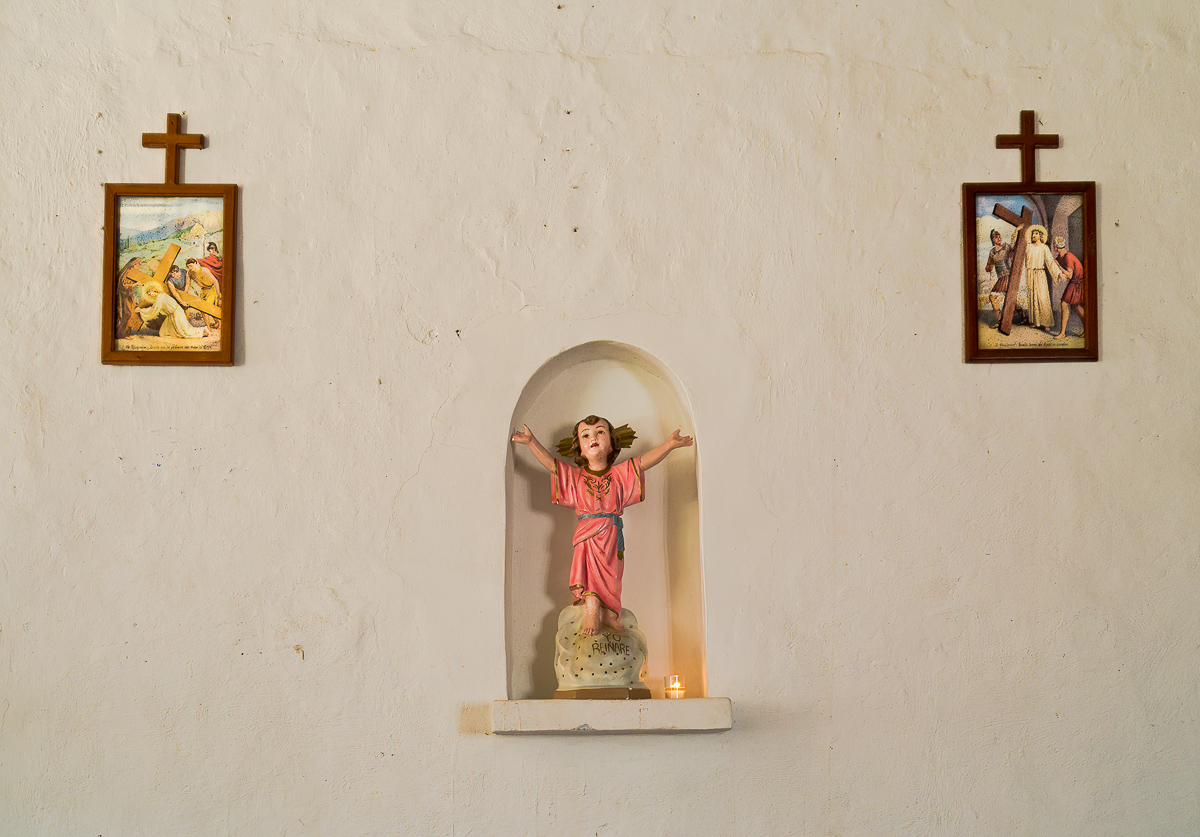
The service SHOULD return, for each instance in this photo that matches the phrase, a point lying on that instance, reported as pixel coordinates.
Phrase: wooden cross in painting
(1021, 222)
(182, 297)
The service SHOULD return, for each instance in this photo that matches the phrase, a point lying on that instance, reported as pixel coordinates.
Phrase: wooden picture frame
(1002, 330)
(148, 228)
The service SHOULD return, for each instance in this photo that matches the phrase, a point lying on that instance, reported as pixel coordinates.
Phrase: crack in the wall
(520, 293)
(763, 369)
(420, 462)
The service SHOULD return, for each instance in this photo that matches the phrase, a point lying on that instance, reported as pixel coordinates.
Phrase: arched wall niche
(663, 582)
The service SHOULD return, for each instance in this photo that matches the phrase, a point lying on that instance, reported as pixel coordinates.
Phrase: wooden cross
(1022, 222)
(1027, 141)
(172, 141)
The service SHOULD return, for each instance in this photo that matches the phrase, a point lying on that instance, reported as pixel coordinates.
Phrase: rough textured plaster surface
(268, 599)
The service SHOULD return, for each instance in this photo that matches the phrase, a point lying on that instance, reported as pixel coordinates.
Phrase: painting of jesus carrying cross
(170, 265)
(169, 287)
(1029, 254)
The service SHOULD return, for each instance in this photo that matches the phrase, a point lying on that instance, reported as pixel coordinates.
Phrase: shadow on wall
(663, 583)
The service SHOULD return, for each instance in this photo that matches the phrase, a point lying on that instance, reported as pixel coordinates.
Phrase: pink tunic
(599, 560)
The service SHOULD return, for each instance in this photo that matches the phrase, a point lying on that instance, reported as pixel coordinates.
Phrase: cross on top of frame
(1027, 141)
(172, 141)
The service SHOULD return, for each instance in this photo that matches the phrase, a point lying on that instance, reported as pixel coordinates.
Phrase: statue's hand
(678, 441)
(523, 436)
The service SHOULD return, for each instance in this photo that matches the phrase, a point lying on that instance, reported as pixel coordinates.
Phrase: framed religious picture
(1029, 266)
(170, 277)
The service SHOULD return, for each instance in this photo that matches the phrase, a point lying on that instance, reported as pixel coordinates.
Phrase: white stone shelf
(590, 717)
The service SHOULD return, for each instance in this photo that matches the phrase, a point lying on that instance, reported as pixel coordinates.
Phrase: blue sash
(615, 518)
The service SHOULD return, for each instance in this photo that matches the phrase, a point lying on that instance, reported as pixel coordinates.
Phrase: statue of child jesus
(598, 491)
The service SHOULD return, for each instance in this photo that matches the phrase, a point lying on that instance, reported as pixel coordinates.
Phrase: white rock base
(610, 659)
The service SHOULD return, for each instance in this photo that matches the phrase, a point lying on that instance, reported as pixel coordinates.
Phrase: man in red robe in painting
(1072, 269)
(212, 261)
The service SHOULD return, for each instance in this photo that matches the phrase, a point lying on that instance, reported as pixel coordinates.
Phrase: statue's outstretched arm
(524, 437)
(658, 454)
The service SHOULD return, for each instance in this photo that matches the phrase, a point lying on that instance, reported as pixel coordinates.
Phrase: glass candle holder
(673, 687)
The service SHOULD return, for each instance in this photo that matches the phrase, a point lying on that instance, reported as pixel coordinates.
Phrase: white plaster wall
(951, 599)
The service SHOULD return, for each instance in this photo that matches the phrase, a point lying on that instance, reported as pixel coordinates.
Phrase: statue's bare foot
(591, 617)
(612, 622)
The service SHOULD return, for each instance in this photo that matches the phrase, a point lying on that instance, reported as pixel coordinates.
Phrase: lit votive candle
(673, 686)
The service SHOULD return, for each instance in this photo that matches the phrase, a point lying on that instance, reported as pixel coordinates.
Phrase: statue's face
(595, 440)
